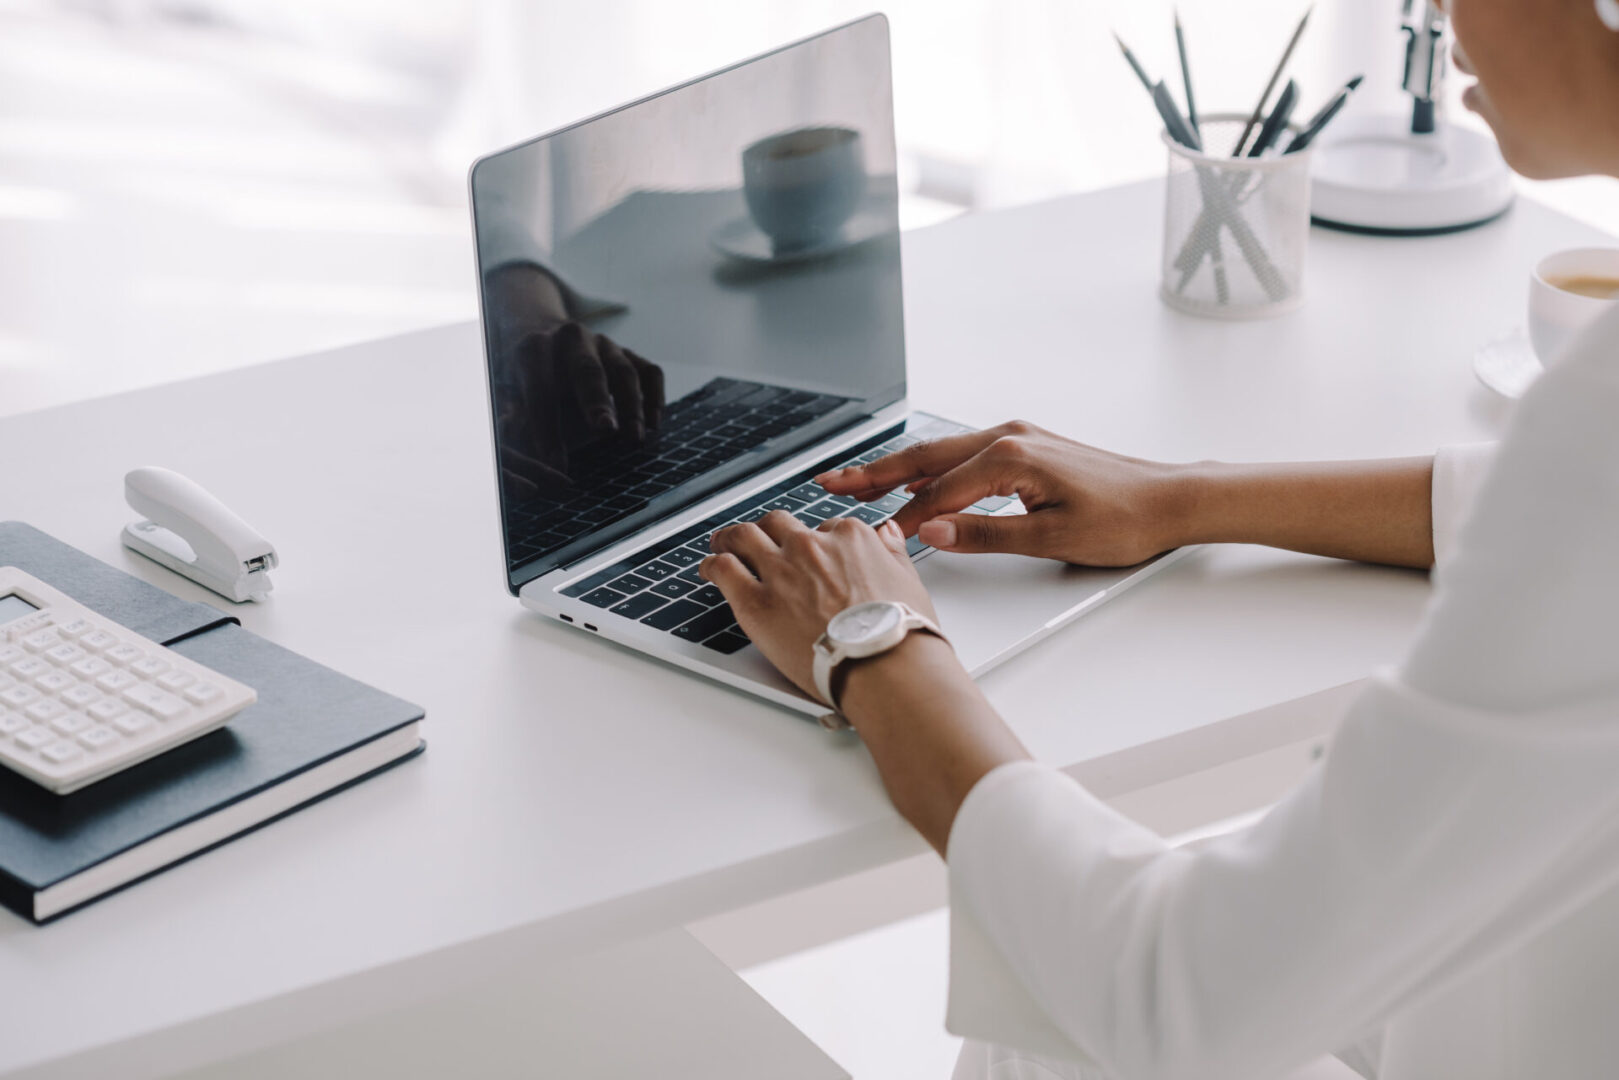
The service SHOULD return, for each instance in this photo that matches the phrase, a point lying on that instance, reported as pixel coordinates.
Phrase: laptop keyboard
(660, 587)
(721, 420)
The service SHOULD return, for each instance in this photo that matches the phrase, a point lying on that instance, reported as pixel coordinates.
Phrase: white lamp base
(1372, 175)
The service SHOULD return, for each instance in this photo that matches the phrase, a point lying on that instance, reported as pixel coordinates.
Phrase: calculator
(82, 697)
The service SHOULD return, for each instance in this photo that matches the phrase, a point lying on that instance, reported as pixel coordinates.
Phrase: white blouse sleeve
(1458, 473)
(1468, 803)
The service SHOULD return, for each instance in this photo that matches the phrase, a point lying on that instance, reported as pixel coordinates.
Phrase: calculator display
(14, 607)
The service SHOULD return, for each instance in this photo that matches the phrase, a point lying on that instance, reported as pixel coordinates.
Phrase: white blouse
(1438, 900)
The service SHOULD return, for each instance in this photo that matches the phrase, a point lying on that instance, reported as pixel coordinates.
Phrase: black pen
(1320, 120)
(1186, 77)
(1135, 65)
(1276, 76)
(1276, 122)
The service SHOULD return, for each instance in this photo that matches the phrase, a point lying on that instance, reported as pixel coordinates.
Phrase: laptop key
(657, 571)
(782, 503)
(914, 547)
(727, 643)
(692, 574)
(638, 606)
(629, 583)
(888, 504)
(870, 515)
(807, 493)
(708, 596)
(603, 597)
(707, 624)
(992, 503)
(672, 615)
(681, 557)
(673, 588)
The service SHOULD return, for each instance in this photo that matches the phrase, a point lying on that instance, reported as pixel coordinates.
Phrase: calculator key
(19, 696)
(114, 681)
(11, 723)
(74, 628)
(681, 557)
(54, 682)
(80, 696)
(133, 722)
(46, 709)
(31, 668)
(59, 751)
(657, 571)
(175, 680)
(107, 708)
(149, 667)
(163, 705)
(122, 654)
(65, 654)
(201, 693)
(97, 737)
(90, 667)
(97, 640)
(69, 722)
(40, 640)
(602, 598)
(10, 653)
(35, 737)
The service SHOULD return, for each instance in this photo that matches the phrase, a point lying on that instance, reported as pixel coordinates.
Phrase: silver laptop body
(691, 305)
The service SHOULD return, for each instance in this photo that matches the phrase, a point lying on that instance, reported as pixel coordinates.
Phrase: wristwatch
(861, 631)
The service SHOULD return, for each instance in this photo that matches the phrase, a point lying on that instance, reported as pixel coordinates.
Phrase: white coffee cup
(1556, 315)
(801, 186)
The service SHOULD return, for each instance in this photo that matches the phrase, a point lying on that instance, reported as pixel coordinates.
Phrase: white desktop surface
(574, 795)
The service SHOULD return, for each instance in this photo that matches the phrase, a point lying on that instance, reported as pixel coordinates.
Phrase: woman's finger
(730, 576)
(747, 542)
(905, 466)
(626, 387)
(988, 473)
(1018, 534)
(779, 525)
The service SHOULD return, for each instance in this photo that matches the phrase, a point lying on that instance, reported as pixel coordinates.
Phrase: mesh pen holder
(1235, 229)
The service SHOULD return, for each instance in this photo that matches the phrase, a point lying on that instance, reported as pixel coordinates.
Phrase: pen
(1186, 77)
(1141, 72)
(1320, 120)
(1276, 76)
(1276, 122)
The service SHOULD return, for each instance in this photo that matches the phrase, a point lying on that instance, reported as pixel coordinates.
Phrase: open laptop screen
(684, 290)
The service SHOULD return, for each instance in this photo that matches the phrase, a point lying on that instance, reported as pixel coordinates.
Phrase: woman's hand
(1085, 506)
(785, 581)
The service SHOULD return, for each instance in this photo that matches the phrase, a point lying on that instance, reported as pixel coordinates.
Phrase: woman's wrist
(876, 687)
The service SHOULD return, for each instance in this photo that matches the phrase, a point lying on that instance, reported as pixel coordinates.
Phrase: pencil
(1276, 77)
(1141, 72)
(1186, 76)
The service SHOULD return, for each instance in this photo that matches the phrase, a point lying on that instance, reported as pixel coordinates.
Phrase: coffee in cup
(1568, 292)
(802, 186)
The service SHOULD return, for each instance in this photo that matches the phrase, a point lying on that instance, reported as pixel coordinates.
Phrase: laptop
(692, 305)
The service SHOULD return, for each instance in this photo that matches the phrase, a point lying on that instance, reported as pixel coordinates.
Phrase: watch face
(863, 623)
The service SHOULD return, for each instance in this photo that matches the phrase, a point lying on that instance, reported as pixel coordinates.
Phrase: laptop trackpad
(989, 604)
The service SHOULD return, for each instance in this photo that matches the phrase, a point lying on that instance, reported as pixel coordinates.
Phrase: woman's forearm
(1369, 511)
(929, 729)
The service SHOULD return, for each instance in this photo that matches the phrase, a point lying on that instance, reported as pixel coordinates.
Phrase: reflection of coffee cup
(1568, 292)
(803, 185)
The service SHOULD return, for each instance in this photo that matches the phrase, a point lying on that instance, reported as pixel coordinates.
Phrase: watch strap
(829, 656)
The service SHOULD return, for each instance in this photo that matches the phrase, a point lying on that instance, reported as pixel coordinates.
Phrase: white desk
(574, 795)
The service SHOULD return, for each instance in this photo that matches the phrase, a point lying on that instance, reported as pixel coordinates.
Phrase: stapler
(192, 533)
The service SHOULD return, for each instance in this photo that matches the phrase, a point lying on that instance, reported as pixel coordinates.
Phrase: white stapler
(194, 534)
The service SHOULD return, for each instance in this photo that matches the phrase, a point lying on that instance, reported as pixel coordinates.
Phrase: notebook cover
(306, 714)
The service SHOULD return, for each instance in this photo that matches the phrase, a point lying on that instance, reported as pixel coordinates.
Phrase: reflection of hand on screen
(558, 385)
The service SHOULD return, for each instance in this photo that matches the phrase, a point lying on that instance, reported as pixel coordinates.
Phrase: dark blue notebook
(312, 732)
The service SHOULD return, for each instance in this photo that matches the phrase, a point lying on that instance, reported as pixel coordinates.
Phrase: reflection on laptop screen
(680, 292)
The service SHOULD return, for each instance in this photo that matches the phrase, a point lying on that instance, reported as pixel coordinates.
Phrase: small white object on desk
(197, 536)
(82, 698)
